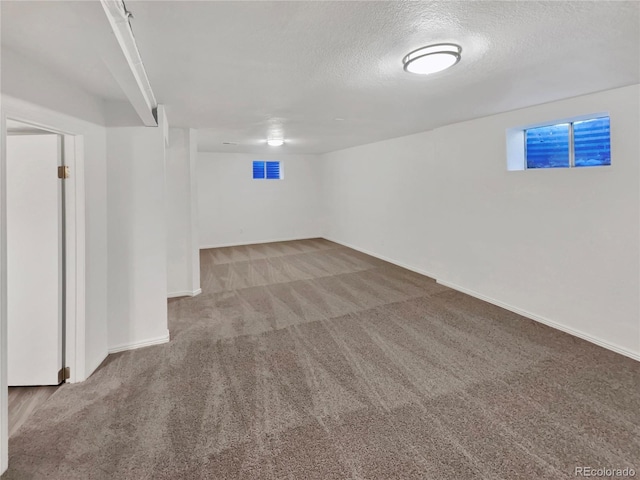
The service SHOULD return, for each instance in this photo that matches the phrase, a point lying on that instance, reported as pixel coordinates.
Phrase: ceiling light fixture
(275, 142)
(432, 58)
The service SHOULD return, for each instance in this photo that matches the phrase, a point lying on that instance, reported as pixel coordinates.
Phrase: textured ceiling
(238, 70)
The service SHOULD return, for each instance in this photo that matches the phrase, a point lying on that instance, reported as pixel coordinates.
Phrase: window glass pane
(548, 147)
(273, 170)
(258, 169)
(591, 142)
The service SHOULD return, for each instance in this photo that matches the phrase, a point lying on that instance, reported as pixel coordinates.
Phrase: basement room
(368, 240)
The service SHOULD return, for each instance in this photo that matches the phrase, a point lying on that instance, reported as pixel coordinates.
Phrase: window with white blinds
(263, 170)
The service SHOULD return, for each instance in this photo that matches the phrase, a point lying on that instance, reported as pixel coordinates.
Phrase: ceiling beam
(125, 63)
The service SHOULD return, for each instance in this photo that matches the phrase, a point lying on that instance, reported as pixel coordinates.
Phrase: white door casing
(74, 153)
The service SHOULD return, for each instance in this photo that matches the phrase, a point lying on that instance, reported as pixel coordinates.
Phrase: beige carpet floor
(308, 360)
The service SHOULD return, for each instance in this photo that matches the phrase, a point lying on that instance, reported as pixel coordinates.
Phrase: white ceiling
(237, 70)
(62, 36)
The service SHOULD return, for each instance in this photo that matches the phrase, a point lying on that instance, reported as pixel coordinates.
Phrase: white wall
(183, 259)
(4, 402)
(235, 209)
(95, 218)
(195, 216)
(137, 229)
(561, 246)
(27, 80)
(32, 93)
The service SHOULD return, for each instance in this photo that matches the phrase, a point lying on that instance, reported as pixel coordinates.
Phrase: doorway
(35, 268)
(71, 134)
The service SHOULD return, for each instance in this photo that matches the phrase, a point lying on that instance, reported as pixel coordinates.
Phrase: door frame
(74, 256)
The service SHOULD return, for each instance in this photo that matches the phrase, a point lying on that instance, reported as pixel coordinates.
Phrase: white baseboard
(382, 257)
(558, 326)
(186, 293)
(141, 344)
(257, 242)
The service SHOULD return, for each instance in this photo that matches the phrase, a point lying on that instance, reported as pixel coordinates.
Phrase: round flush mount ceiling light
(432, 58)
(275, 142)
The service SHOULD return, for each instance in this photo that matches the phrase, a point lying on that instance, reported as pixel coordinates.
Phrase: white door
(34, 260)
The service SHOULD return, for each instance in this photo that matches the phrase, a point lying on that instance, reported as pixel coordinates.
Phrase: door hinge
(63, 172)
(64, 374)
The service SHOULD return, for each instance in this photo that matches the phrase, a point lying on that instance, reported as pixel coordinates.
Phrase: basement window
(263, 170)
(577, 142)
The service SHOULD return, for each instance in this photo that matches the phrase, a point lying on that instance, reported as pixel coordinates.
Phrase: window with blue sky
(263, 170)
(584, 143)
